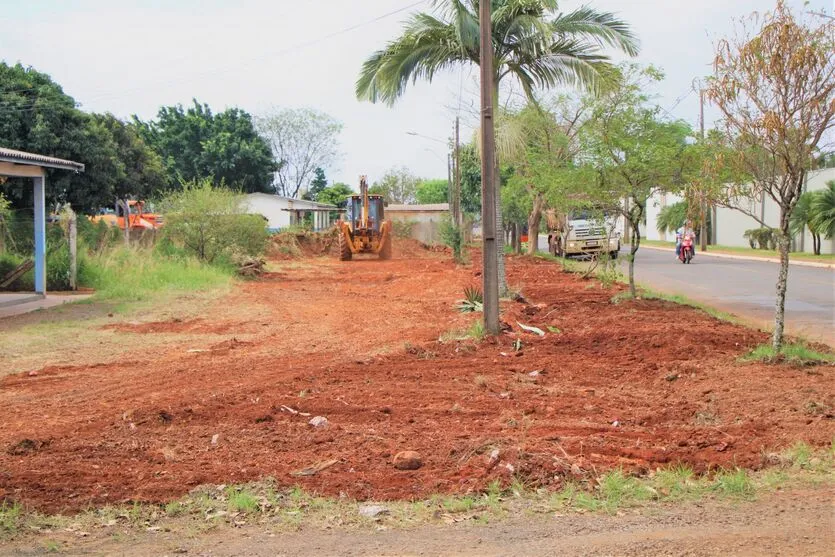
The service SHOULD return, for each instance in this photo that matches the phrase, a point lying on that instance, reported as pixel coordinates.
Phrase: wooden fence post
(72, 232)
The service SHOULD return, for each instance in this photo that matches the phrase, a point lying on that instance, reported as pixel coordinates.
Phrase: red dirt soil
(637, 385)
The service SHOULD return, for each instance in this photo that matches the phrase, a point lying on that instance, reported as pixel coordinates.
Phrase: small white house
(282, 212)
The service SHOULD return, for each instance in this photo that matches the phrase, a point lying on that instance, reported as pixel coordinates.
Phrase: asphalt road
(744, 288)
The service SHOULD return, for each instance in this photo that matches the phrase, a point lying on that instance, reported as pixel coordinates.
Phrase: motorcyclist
(683, 231)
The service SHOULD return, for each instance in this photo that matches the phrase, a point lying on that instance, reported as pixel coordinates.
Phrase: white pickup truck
(582, 231)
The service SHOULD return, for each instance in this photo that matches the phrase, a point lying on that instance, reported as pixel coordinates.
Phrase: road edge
(750, 258)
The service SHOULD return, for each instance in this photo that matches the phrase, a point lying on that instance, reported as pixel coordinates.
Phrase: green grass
(677, 483)
(458, 504)
(474, 332)
(132, 275)
(616, 490)
(735, 484)
(650, 294)
(791, 353)
(734, 250)
(10, 517)
(290, 509)
(242, 500)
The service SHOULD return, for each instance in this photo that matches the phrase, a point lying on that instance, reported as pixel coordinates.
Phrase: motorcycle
(685, 254)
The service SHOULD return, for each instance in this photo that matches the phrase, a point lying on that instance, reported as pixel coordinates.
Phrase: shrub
(403, 228)
(762, 238)
(212, 223)
(451, 236)
(98, 236)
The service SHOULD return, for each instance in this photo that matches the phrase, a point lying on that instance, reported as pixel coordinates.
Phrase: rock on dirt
(318, 421)
(407, 460)
(372, 511)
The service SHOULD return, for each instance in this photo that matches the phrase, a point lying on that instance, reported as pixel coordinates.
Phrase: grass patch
(615, 490)
(132, 275)
(10, 517)
(474, 332)
(791, 353)
(650, 294)
(677, 483)
(290, 509)
(735, 484)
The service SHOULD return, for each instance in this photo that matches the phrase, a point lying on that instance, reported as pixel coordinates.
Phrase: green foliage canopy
(195, 144)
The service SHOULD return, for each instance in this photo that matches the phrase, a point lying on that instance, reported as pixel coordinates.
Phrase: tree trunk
(533, 223)
(783, 240)
(635, 243)
(514, 232)
(816, 244)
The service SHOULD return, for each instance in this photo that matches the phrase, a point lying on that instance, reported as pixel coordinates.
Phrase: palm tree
(802, 218)
(533, 42)
(823, 210)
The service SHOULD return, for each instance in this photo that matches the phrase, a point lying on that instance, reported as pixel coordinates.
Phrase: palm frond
(603, 28)
(427, 46)
(564, 62)
(822, 211)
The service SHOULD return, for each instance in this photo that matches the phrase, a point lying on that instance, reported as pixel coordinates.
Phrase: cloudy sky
(130, 57)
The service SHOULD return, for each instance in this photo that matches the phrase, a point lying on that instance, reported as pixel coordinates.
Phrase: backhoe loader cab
(365, 229)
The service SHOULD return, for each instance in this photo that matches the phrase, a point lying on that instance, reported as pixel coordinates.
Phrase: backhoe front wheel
(344, 249)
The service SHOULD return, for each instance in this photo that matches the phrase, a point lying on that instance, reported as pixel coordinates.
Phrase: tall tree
(397, 185)
(195, 144)
(301, 140)
(37, 116)
(336, 194)
(319, 183)
(774, 83)
(140, 172)
(533, 43)
(634, 152)
(432, 191)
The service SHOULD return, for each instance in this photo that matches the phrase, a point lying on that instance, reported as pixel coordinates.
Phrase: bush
(211, 223)
(451, 236)
(98, 236)
(403, 228)
(762, 238)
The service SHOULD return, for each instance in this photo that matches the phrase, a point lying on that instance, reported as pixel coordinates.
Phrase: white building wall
(654, 206)
(732, 224)
(271, 206)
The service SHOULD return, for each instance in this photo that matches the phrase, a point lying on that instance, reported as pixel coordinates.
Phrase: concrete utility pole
(490, 255)
(457, 215)
(703, 232)
(450, 197)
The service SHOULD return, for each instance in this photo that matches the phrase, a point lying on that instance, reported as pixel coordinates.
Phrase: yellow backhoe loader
(364, 230)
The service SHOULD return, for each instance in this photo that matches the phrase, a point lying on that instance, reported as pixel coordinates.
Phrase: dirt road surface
(636, 385)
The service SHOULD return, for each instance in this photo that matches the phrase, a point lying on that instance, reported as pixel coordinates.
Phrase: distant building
(282, 212)
(425, 219)
(730, 224)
